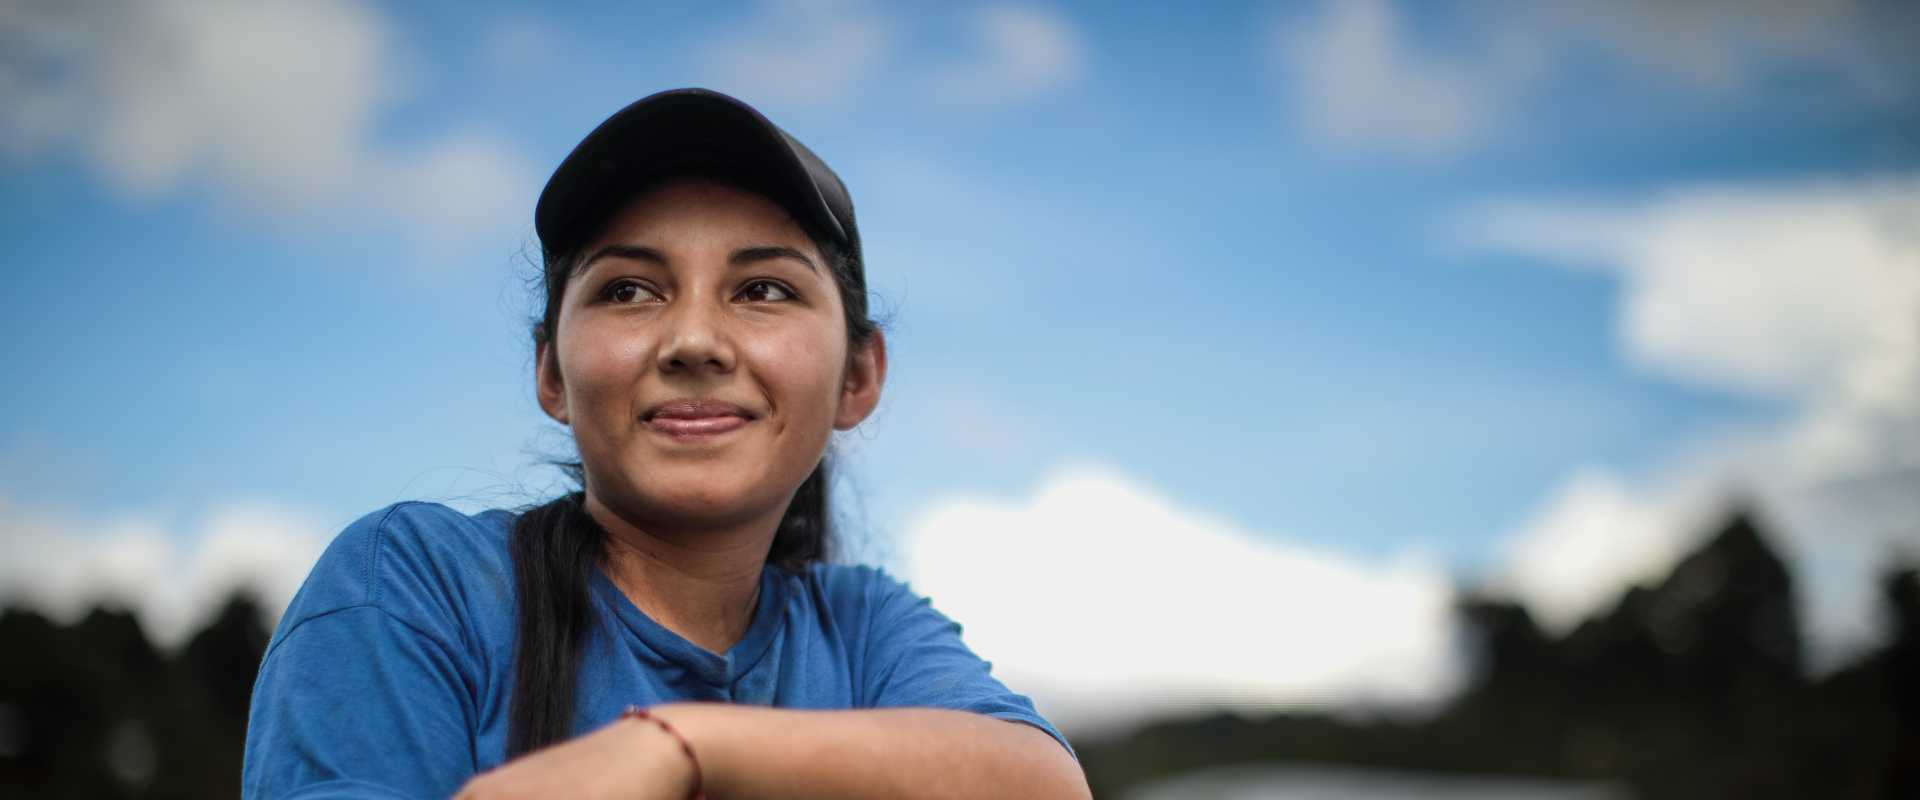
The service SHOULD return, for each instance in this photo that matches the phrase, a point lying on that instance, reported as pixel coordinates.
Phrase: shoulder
(854, 583)
(417, 561)
(869, 594)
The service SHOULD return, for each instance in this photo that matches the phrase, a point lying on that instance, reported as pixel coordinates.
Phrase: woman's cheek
(806, 367)
(604, 372)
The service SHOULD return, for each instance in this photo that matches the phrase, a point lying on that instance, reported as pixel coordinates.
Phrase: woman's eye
(628, 292)
(765, 292)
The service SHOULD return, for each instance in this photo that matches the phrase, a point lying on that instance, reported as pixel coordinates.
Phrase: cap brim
(673, 132)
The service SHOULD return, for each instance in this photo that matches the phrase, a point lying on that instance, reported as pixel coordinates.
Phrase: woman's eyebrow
(748, 255)
(632, 251)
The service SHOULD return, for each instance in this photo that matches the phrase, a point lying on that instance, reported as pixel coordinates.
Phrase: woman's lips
(695, 417)
(696, 427)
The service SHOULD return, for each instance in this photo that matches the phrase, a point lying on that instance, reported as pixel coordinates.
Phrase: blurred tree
(1692, 686)
(94, 710)
(1899, 665)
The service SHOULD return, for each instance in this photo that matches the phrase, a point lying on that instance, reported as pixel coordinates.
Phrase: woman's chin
(706, 498)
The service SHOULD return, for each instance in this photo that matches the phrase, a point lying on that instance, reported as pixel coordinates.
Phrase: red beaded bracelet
(637, 712)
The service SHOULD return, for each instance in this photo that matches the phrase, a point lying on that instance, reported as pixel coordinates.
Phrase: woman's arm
(751, 752)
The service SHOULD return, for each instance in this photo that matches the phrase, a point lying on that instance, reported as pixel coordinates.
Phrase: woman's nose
(696, 339)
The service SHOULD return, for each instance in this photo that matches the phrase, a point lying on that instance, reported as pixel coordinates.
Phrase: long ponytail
(555, 547)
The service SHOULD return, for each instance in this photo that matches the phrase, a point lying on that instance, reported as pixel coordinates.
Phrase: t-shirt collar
(664, 644)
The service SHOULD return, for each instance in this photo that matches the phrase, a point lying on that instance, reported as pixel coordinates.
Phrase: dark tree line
(1694, 687)
(94, 710)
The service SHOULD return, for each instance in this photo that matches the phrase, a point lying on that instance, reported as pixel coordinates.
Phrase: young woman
(672, 628)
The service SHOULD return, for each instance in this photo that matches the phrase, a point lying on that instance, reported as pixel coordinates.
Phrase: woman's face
(701, 358)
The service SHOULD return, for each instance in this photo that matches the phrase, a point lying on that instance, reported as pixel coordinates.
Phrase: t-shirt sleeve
(354, 699)
(916, 658)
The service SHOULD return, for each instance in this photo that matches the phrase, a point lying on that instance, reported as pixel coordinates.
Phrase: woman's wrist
(675, 753)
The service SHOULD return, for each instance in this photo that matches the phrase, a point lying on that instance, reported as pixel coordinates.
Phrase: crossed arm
(749, 752)
(376, 685)
(394, 720)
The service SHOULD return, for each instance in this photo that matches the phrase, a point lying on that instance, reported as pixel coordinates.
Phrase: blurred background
(1330, 399)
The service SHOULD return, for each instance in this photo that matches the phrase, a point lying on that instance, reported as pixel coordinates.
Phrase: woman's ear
(866, 374)
(552, 391)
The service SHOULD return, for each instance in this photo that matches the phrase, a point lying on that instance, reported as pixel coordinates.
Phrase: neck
(699, 582)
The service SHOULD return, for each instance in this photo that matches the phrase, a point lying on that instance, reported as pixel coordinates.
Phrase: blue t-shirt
(390, 673)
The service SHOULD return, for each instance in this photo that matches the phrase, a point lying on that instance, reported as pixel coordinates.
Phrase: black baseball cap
(684, 130)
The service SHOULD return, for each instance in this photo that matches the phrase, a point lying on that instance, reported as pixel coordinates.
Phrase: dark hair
(557, 545)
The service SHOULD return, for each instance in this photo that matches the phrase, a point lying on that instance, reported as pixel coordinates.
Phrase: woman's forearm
(753, 752)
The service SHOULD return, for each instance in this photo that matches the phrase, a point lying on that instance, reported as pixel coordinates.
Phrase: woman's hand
(629, 758)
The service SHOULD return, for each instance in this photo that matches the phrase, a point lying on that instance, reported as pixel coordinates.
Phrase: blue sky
(1259, 261)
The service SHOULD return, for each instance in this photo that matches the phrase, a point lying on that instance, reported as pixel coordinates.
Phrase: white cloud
(1358, 79)
(1807, 292)
(825, 54)
(466, 184)
(1097, 588)
(174, 580)
(802, 53)
(1021, 52)
(1728, 45)
(1804, 293)
(1360, 75)
(273, 104)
